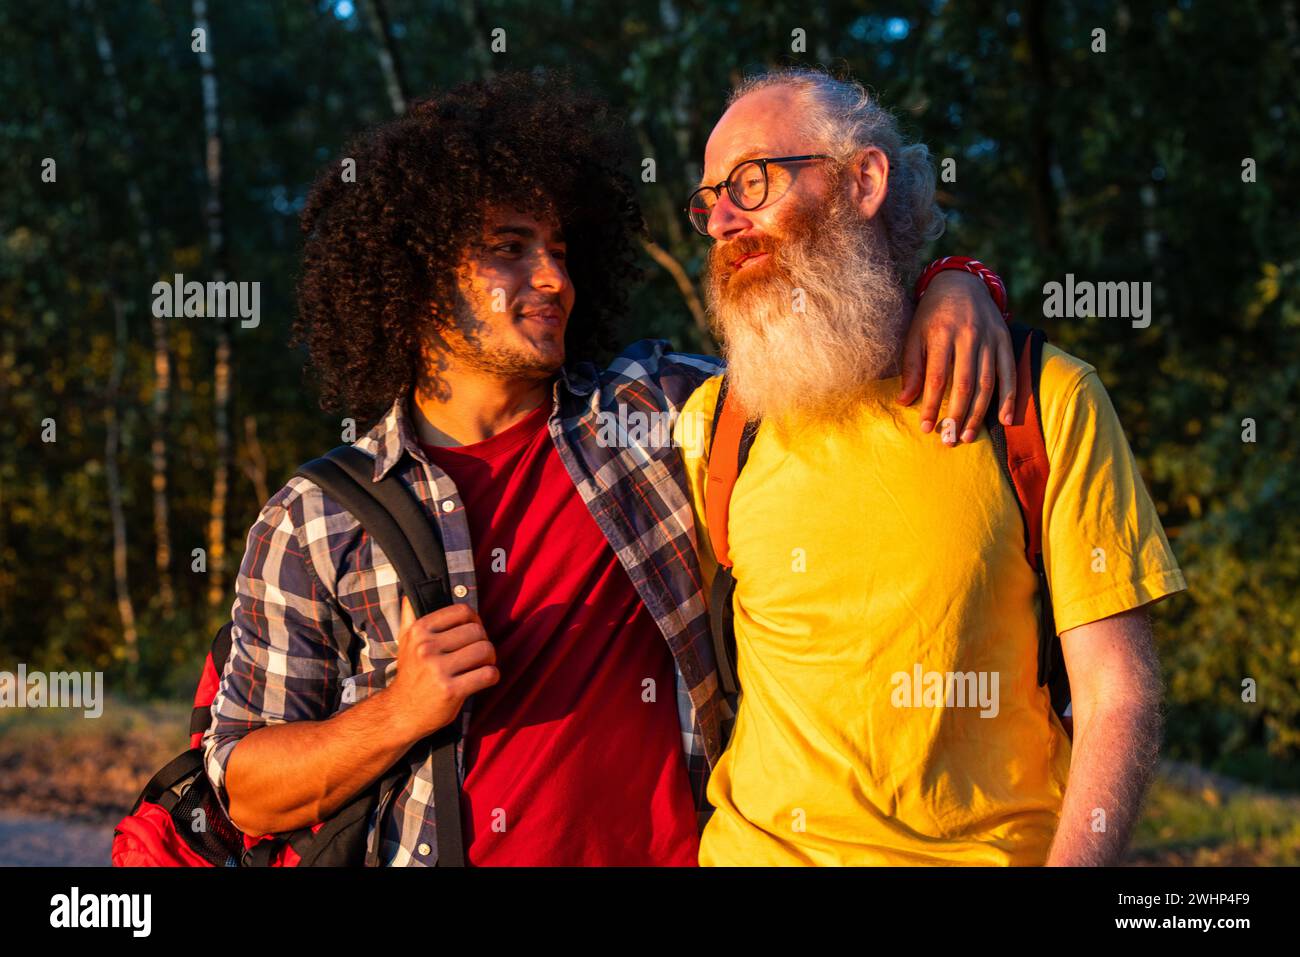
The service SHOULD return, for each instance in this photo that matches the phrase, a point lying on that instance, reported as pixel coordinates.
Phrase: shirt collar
(580, 378)
(395, 433)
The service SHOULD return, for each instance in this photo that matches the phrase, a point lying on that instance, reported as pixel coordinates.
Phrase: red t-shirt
(568, 763)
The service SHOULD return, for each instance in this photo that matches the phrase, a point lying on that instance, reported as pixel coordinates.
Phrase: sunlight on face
(758, 125)
(516, 298)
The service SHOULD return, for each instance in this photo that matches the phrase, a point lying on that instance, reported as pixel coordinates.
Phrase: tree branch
(687, 288)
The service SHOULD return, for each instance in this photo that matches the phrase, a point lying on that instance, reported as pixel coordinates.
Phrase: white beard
(795, 367)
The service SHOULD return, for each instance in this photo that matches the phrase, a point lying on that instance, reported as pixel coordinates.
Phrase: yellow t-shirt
(886, 629)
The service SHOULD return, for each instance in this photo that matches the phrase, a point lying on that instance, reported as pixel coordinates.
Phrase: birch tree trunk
(216, 563)
(472, 15)
(253, 461)
(386, 50)
(678, 118)
(112, 472)
(112, 446)
(161, 347)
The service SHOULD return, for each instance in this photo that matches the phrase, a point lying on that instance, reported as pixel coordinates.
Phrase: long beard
(806, 333)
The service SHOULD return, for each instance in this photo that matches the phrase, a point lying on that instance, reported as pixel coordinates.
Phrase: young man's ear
(869, 180)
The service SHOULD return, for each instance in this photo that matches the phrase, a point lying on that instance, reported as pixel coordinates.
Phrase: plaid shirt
(317, 604)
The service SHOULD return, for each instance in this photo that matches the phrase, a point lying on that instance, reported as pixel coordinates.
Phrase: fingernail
(968, 436)
(926, 426)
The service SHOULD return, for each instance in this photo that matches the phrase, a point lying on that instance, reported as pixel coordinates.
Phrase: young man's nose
(548, 273)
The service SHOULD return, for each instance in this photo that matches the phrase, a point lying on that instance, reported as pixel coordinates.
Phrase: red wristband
(992, 282)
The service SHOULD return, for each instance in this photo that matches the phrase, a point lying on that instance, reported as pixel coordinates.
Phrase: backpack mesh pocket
(216, 839)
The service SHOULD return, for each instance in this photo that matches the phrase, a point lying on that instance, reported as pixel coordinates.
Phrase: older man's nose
(727, 220)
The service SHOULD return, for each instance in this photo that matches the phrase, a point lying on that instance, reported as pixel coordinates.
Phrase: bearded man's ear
(869, 180)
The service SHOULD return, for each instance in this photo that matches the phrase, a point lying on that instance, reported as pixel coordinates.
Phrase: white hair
(841, 118)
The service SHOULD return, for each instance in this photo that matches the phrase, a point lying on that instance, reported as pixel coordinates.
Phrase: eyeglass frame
(762, 162)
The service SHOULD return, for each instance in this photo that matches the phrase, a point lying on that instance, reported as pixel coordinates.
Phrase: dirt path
(64, 783)
(27, 841)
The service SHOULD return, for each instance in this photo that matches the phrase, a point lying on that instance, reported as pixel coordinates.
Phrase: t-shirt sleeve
(1103, 547)
(692, 435)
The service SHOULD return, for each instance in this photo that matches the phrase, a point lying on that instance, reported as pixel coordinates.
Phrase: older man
(868, 560)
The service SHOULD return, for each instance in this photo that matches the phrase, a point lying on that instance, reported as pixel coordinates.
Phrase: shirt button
(424, 850)
(460, 591)
(448, 505)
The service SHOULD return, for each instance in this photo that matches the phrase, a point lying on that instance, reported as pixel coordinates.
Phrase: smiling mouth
(746, 260)
(551, 316)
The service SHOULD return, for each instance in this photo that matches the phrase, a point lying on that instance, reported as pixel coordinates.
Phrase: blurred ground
(57, 763)
(27, 841)
(1193, 817)
(65, 781)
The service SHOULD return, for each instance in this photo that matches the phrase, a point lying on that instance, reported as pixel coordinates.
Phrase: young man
(490, 233)
(872, 572)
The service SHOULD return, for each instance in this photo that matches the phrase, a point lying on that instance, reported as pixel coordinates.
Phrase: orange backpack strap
(725, 463)
(1026, 454)
(729, 448)
(1021, 450)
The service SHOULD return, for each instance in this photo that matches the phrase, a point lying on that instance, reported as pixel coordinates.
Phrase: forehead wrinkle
(753, 152)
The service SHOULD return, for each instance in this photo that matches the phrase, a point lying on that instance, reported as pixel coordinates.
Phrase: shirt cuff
(1123, 597)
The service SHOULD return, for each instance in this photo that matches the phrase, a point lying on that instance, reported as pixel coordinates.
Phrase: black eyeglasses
(748, 186)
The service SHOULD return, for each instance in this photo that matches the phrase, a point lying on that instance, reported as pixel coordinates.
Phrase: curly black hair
(380, 255)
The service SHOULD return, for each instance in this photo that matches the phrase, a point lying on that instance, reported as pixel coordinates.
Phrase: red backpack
(178, 822)
(1021, 452)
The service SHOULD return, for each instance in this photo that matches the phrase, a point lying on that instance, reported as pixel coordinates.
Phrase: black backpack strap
(221, 647)
(161, 787)
(391, 515)
(717, 409)
(722, 625)
(261, 853)
(201, 717)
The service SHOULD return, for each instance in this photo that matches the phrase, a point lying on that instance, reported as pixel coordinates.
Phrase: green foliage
(1210, 827)
(1123, 165)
